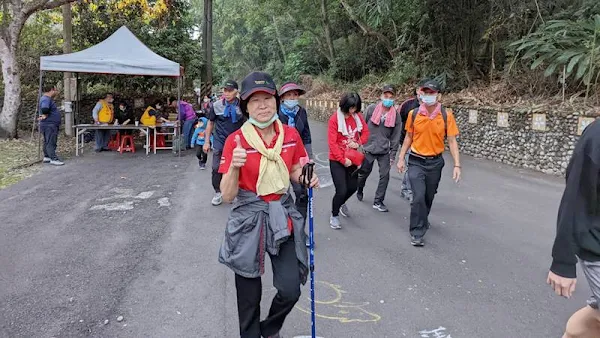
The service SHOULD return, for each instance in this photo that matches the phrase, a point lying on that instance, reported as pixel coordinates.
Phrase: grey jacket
(382, 140)
(255, 224)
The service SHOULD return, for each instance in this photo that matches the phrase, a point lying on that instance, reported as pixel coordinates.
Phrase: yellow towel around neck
(273, 175)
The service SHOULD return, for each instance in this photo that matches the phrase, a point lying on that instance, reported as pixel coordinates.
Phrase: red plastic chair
(160, 141)
(115, 141)
(127, 144)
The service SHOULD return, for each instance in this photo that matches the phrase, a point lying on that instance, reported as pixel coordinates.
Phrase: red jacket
(337, 141)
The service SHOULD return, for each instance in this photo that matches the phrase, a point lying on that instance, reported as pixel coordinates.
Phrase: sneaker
(202, 166)
(344, 210)
(57, 162)
(360, 195)
(414, 241)
(275, 335)
(379, 206)
(217, 200)
(46, 160)
(334, 222)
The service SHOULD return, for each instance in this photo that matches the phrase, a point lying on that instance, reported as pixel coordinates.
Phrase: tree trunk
(12, 86)
(67, 35)
(325, 19)
(209, 45)
(368, 30)
(279, 41)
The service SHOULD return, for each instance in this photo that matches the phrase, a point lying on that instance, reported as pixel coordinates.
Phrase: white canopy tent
(121, 53)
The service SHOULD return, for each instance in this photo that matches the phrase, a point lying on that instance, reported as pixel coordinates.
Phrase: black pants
(50, 133)
(384, 164)
(345, 181)
(286, 279)
(424, 176)
(216, 176)
(201, 155)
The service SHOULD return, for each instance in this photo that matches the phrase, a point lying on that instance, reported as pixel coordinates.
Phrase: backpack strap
(444, 116)
(414, 115)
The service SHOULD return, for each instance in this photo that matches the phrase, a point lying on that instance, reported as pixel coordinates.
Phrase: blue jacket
(302, 126)
(198, 137)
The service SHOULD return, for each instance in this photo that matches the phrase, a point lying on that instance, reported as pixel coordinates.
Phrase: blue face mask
(428, 100)
(263, 125)
(387, 102)
(290, 104)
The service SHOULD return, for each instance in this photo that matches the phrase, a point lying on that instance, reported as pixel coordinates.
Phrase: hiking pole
(307, 174)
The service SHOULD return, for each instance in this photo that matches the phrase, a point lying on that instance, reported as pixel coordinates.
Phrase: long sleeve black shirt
(578, 224)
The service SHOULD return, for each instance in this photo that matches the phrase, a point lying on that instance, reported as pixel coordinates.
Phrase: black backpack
(444, 116)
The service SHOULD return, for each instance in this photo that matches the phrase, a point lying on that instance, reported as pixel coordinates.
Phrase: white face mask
(428, 100)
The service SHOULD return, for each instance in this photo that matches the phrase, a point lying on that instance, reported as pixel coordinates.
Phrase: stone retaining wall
(538, 140)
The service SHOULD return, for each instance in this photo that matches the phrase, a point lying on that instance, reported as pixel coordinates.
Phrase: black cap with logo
(257, 82)
(433, 85)
(388, 89)
(230, 84)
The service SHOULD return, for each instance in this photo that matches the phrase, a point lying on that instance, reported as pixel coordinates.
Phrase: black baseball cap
(257, 82)
(433, 85)
(230, 84)
(388, 89)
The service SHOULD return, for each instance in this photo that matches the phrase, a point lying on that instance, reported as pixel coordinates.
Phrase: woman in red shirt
(347, 133)
(258, 162)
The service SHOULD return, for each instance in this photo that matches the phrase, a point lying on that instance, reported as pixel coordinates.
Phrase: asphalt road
(111, 235)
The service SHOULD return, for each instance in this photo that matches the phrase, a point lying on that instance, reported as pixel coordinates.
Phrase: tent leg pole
(179, 114)
(36, 115)
(78, 96)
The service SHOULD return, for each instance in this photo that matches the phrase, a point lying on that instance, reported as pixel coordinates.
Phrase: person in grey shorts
(578, 234)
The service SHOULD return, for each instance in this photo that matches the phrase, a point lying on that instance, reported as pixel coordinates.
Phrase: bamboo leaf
(567, 55)
(540, 60)
(583, 67)
(573, 62)
(530, 53)
(550, 70)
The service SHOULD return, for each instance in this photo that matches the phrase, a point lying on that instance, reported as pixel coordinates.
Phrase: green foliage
(574, 45)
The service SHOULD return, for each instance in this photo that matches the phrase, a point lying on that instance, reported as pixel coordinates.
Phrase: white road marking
(127, 205)
(164, 202)
(440, 332)
(145, 195)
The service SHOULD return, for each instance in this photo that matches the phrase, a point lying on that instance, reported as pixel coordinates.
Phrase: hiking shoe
(46, 160)
(344, 210)
(202, 166)
(360, 195)
(217, 200)
(57, 162)
(414, 241)
(379, 206)
(334, 222)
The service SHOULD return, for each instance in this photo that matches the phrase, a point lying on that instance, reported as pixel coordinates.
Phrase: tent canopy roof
(120, 53)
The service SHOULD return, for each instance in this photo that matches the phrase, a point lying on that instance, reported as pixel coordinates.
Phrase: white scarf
(341, 119)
